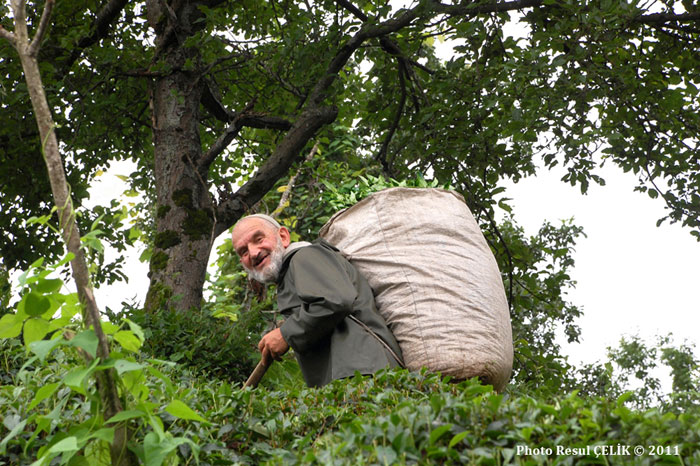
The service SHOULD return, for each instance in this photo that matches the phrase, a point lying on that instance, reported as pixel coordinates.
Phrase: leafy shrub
(395, 417)
(213, 346)
(12, 357)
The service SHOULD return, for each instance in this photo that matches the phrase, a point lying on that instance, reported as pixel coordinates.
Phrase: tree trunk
(106, 381)
(184, 214)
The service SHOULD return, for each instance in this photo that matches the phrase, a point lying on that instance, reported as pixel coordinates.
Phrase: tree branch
(495, 7)
(246, 118)
(284, 199)
(501, 7)
(387, 44)
(262, 121)
(381, 155)
(211, 102)
(100, 29)
(35, 45)
(234, 205)
(218, 147)
(318, 93)
(4, 33)
(352, 9)
(658, 18)
(241, 120)
(312, 118)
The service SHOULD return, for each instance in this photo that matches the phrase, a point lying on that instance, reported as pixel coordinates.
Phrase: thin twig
(381, 155)
(292, 181)
(35, 45)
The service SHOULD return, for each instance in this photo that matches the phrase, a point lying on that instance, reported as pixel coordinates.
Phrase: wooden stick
(257, 374)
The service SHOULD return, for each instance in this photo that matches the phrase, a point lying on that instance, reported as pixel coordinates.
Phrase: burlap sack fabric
(434, 277)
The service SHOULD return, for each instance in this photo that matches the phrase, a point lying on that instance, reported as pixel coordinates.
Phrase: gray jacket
(317, 291)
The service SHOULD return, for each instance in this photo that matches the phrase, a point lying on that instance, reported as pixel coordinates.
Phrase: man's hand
(272, 346)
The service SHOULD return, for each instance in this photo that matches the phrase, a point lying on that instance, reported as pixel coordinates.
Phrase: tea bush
(395, 417)
(204, 343)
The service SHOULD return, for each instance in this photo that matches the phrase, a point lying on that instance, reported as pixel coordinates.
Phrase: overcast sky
(633, 277)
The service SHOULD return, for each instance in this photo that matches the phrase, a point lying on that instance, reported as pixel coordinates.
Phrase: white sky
(632, 277)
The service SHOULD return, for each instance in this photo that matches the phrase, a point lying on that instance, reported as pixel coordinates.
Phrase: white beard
(270, 273)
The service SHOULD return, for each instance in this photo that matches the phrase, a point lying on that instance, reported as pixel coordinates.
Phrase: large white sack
(434, 277)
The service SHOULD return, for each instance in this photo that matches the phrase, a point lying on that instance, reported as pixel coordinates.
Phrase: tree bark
(184, 214)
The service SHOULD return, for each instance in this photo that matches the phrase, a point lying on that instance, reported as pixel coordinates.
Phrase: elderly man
(331, 320)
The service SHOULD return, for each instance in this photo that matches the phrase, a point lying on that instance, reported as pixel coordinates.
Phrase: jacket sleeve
(326, 292)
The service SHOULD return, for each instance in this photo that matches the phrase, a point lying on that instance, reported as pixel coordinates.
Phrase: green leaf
(106, 434)
(136, 328)
(10, 326)
(122, 365)
(44, 347)
(69, 257)
(48, 285)
(624, 397)
(67, 444)
(12, 434)
(125, 415)
(439, 432)
(75, 378)
(180, 410)
(128, 340)
(43, 393)
(34, 330)
(35, 304)
(87, 340)
(109, 328)
(156, 450)
(458, 438)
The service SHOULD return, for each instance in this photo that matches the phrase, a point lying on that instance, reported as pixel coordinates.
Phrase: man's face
(261, 248)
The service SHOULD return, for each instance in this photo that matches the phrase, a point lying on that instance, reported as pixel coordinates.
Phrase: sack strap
(371, 332)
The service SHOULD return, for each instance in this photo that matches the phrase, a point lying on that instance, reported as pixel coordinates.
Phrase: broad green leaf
(128, 340)
(40, 220)
(156, 450)
(75, 378)
(136, 328)
(67, 444)
(179, 409)
(386, 455)
(43, 347)
(106, 434)
(49, 285)
(87, 340)
(125, 415)
(109, 328)
(34, 330)
(155, 372)
(134, 233)
(122, 365)
(10, 326)
(43, 393)
(35, 304)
